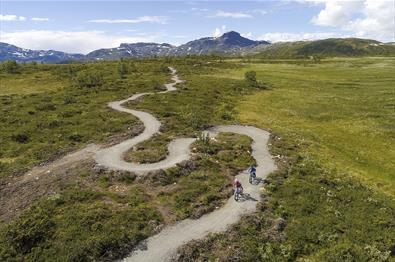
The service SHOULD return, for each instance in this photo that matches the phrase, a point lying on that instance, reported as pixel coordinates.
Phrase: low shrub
(89, 79)
(10, 67)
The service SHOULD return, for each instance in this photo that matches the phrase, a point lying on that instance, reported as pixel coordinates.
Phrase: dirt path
(162, 246)
(112, 157)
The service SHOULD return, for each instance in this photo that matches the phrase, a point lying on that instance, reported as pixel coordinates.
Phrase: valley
(331, 197)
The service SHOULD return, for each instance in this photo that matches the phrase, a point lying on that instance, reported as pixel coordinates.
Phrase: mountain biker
(237, 185)
(252, 169)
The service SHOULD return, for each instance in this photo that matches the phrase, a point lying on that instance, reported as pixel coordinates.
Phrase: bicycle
(238, 193)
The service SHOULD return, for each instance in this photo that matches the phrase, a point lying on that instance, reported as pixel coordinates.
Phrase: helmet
(236, 180)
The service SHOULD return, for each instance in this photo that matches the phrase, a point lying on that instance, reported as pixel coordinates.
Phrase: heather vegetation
(331, 200)
(307, 213)
(63, 107)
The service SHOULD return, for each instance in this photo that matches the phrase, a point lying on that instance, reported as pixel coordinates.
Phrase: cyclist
(238, 186)
(252, 170)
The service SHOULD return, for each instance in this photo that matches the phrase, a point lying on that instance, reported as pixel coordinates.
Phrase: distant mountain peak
(229, 43)
(231, 34)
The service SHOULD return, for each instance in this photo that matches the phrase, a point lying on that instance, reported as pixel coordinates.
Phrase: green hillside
(344, 47)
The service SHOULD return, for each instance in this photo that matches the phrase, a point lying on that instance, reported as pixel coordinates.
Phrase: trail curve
(163, 246)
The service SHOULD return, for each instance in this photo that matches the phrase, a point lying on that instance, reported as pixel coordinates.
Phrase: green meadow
(340, 110)
(333, 137)
(332, 198)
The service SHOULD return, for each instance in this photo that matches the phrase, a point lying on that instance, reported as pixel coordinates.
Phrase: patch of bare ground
(19, 192)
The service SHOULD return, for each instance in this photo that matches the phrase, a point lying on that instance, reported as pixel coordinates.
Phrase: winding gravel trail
(163, 246)
(112, 157)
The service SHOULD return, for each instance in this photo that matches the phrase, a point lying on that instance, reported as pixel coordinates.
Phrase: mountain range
(230, 43)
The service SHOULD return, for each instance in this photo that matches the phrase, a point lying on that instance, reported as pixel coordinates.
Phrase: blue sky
(82, 26)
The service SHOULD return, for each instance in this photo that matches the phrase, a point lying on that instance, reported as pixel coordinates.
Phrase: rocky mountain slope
(137, 50)
(11, 52)
(230, 43)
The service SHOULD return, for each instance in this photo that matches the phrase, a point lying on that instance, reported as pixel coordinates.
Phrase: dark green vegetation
(307, 214)
(149, 151)
(107, 213)
(335, 122)
(79, 225)
(347, 47)
(205, 188)
(10, 67)
(332, 199)
(63, 107)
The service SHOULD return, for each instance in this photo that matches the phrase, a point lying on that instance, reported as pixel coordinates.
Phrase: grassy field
(307, 214)
(44, 119)
(37, 82)
(101, 216)
(332, 199)
(341, 110)
(92, 219)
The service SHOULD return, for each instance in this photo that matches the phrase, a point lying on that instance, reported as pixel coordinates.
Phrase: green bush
(78, 225)
(69, 99)
(122, 69)
(75, 137)
(30, 229)
(89, 79)
(20, 138)
(10, 67)
(251, 81)
(158, 86)
(250, 78)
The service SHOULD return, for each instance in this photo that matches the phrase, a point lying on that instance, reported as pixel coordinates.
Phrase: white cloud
(40, 19)
(221, 13)
(378, 21)
(289, 37)
(219, 31)
(132, 30)
(363, 18)
(141, 19)
(260, 11)
(200, 9)
(70, 41)
(9, 18)
(337, 13)
(247, 35)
